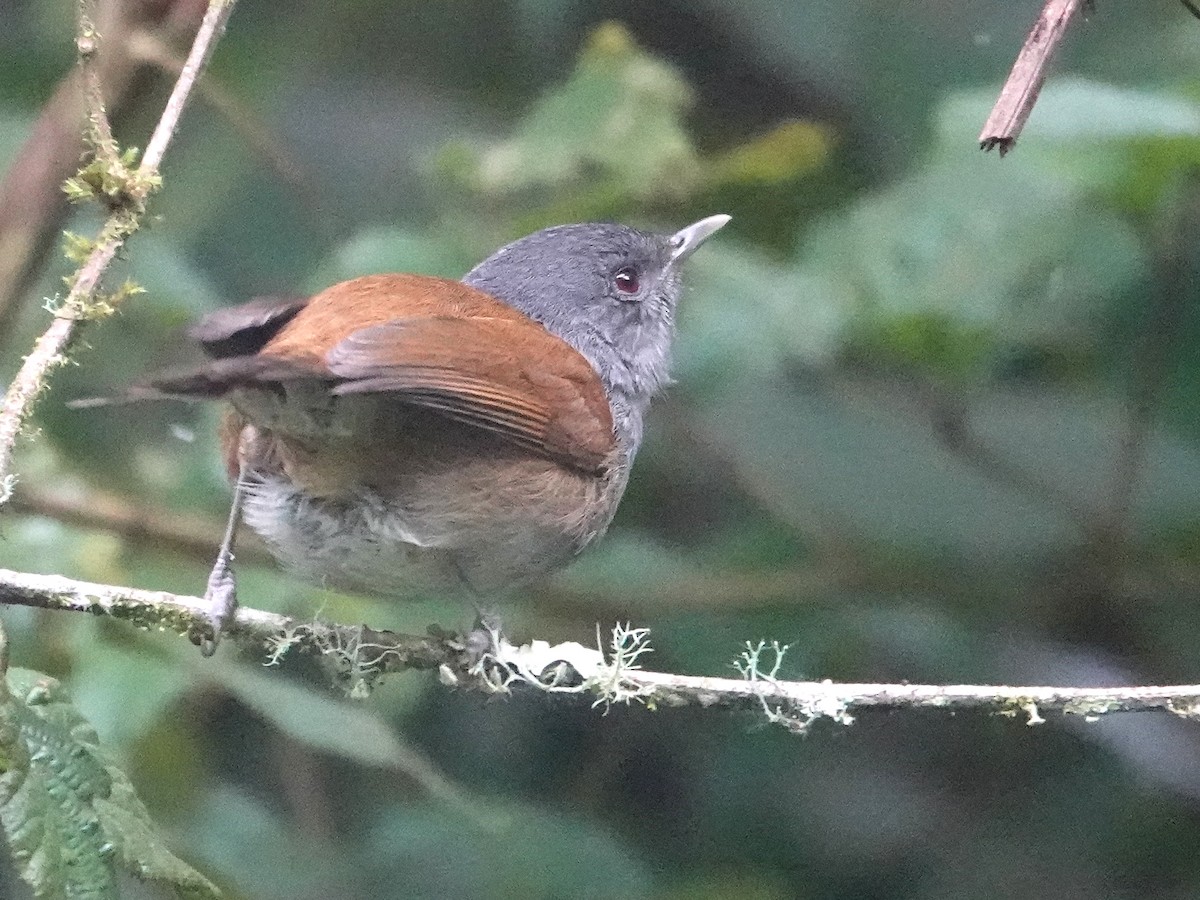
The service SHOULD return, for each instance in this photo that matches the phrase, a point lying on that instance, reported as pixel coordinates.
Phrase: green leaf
(786, 152)
(617, 121)
(859, 460)
(337, 727)
(71, 815)
(321, 722)
(124, 691)
(630, 566)
(1081, 112)
(744, 311)
(963, 262)
(263, 854)
(1126, 144)
(181, 289)
(536, 853)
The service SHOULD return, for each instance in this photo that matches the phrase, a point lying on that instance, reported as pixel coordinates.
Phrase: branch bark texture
(1020, 91)
(611, 676)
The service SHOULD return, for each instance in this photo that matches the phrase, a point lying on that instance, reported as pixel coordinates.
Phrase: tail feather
(244, 330)
(233, 336)
(134, 394)
(211, 381)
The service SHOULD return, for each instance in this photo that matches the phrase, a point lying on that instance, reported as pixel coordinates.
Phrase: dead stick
(1024, 83)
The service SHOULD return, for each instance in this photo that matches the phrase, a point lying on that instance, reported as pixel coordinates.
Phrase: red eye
(626, 280)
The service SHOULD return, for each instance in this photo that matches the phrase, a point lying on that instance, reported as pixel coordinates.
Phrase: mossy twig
(359, 655)
(124, 189)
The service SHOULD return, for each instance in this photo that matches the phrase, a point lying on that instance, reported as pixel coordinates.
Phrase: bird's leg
(220, 596)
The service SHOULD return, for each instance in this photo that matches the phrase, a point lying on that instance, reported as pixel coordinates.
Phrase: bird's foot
(483, 641)
(220, 605)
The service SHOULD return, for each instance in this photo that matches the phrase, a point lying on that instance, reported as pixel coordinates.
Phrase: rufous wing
(507, 375)
(273, 339)
(427, 342)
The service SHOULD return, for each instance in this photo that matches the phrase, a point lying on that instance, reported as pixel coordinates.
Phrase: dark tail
(212, 381)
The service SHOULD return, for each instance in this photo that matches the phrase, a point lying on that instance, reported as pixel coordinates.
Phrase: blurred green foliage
(935, 419)
(71, 816)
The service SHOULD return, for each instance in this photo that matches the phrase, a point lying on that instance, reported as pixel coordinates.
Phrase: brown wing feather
(405, 336)
(518, 380)
(332, 315)
(273, 339)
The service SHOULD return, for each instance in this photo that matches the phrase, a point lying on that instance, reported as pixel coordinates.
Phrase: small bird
(402, 434)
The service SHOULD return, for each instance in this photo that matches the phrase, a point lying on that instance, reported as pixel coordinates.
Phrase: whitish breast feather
(370, 544)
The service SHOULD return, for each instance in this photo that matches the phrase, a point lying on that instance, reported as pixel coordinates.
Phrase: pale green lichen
(611, 684)
(607, 671)
(1185, 709)
(355, 664)
(8, 484)
(796, 715)
(1091, 709)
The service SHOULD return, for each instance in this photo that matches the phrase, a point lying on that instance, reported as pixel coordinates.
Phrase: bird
(402, 435)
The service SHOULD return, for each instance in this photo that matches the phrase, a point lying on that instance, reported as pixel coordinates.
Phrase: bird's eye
(626, 280)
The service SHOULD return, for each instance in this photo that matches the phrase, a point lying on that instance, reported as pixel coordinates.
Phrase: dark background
(935, 421)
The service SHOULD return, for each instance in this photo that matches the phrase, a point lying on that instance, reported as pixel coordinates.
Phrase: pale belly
(450, 510)
(374, 545)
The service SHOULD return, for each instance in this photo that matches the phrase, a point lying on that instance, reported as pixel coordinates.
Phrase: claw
(483, 640)
(220, 600)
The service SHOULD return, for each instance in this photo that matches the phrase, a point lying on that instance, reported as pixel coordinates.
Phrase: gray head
(607, 290)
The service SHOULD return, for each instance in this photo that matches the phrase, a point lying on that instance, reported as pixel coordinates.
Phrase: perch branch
(615, 676)
(179, 614)
(1020, 91)
(50, 350)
